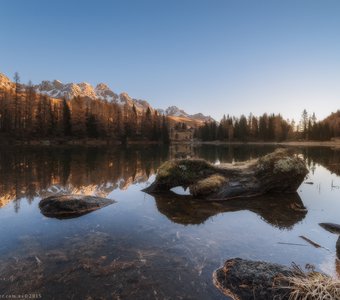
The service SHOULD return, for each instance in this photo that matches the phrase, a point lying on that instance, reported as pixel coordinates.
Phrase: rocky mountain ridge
(174, 111)
(58, 90)
(5, 82)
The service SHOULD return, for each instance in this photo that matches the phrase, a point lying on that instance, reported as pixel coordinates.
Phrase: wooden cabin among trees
(181, 132)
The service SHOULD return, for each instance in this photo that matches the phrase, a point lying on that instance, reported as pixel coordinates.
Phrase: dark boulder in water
(71, 206)
(331, 227)
(246, 279)
(337, 245)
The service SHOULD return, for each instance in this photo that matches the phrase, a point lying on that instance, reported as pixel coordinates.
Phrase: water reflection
(327, 157)
(131, 250)
(282, 211)
(26, 173)
(40, 172)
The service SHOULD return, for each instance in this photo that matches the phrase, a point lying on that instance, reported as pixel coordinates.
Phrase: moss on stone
(186, 171)
(166, 169)
(208, 185)
(280, 161)
(288, 164)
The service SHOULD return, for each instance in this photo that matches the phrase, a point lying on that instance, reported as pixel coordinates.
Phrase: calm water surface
(143, 247)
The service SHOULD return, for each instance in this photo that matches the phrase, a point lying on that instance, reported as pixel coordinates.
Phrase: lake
(145, 247)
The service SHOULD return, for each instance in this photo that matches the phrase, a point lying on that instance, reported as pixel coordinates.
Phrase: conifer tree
(67, 127)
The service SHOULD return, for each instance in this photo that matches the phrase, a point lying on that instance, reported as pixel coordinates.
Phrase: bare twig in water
(38, 260)
(316, 245)
(200, 266)
(293, 244)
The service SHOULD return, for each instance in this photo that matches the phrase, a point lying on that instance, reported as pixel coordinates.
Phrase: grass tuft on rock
(208, 185)
(311, 286)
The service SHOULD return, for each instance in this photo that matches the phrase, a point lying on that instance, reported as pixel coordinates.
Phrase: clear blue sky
(212, 56)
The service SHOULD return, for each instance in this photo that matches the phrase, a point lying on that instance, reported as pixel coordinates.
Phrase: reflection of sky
(241, 233)
(322, 202)
(139, 221)
(321, 195)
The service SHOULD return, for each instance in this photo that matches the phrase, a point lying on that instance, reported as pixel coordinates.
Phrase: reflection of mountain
(282, 211)
(31, 172)
(27, 173)
(6, 198)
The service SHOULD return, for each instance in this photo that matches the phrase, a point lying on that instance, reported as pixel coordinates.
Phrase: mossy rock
(71, 206)
(246, 279)
(280, 161)
(277, 172)
(206, 186)
(185, 171)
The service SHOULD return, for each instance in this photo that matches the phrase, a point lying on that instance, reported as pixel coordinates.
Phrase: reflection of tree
(27, 173)
(31, 172)
(327, 157)
(231, 153)
(282, 211)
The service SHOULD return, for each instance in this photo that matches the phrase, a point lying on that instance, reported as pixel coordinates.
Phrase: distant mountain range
(58, 90)
(178, 115)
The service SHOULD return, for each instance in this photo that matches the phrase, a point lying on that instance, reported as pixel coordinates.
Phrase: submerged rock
(337, 245)
(277, 172)
(70, 206)
(331, 227)
(246, 279)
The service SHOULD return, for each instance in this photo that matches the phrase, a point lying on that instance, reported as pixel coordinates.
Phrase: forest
(270, 127)
(26, 115)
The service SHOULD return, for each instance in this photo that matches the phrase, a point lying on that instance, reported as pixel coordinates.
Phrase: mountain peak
(57, 89)
(175, 112)
(102, 87)
(5, 82)
(87, 90)
(181, 116)
(57, 83)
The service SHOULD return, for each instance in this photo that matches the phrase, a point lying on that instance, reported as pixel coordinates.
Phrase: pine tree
(29, 105)
(16, 101)
(304, 123)
(67, 127)
(165, 131)
(78, 120)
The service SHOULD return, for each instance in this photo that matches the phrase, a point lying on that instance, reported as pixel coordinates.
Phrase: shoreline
(332, 144)
(104, 142)
(73, 142)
